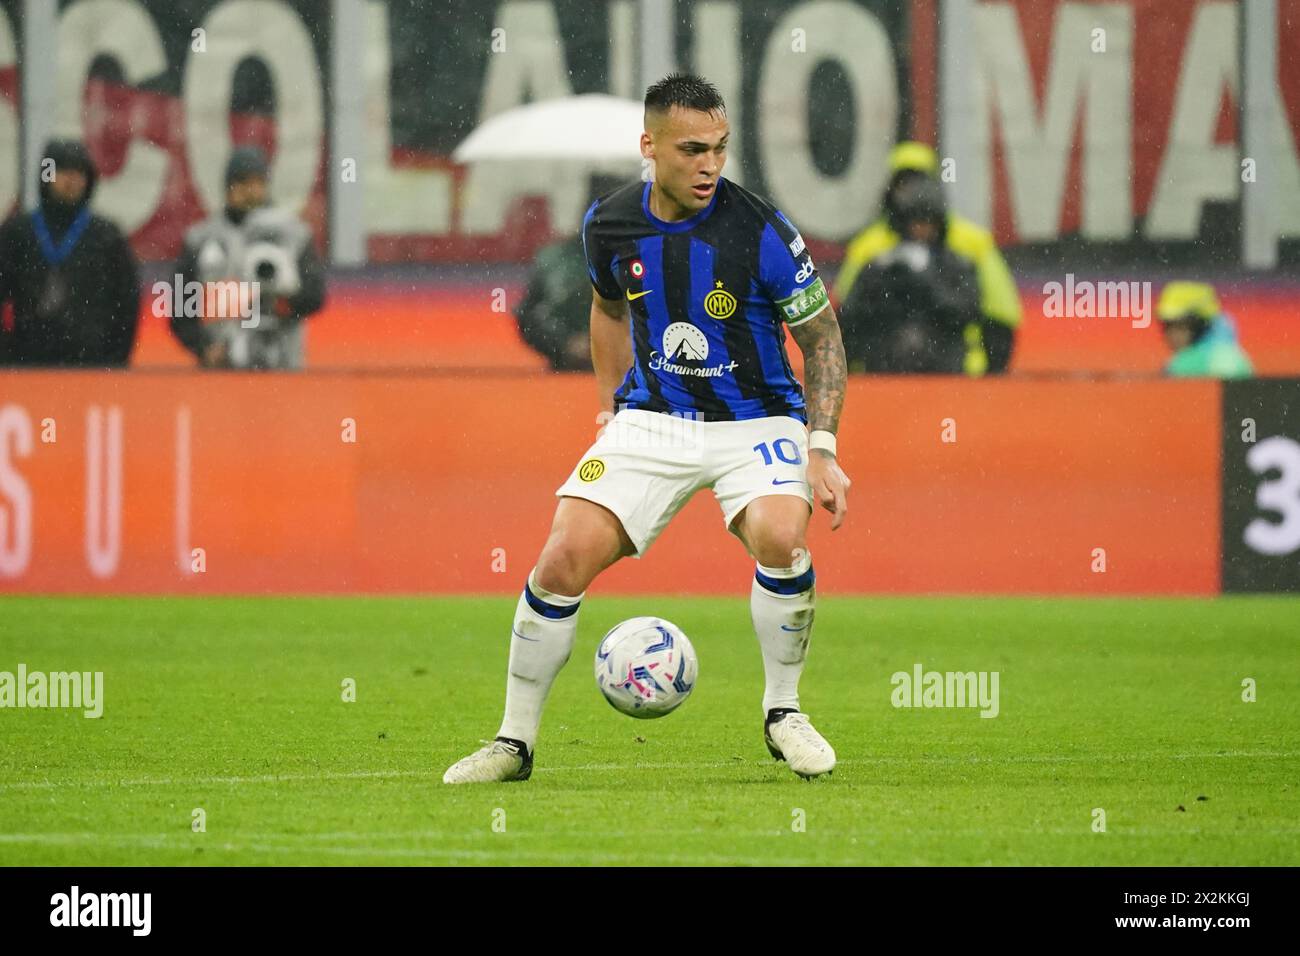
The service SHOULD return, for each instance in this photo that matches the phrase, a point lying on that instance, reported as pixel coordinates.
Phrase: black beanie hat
(69, 154)
(245, 163)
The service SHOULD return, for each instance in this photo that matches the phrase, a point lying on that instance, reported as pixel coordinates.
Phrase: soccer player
(705, 397)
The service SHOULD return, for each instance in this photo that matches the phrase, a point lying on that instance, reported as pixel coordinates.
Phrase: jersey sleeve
(787, 274)
(599, 258)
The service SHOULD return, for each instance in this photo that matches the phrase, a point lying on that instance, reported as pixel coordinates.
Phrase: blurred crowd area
(989, 187)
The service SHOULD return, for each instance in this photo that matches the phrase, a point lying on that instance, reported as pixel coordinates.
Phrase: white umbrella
(593, 127)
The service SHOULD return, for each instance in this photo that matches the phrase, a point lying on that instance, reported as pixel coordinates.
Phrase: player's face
(689, 149)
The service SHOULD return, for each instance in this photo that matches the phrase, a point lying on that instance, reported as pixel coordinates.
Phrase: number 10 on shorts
(783, 448)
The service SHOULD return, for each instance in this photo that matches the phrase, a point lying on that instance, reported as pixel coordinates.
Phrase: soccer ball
(646, 667)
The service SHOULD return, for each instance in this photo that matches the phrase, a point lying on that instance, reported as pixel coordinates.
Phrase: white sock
(541, 638)
(781, 603)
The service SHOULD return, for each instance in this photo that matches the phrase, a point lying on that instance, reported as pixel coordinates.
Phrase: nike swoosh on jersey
(788, 481)
(633, 296)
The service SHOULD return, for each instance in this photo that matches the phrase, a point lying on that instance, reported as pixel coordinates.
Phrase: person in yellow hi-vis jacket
(990, 340)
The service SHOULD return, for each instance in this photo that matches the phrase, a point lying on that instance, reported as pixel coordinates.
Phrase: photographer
(990, 332)
(909, 308)
(260, 273)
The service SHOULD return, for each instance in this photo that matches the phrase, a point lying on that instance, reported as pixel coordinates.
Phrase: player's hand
(829, 484)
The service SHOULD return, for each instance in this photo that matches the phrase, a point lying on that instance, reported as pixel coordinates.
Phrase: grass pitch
(234, 707)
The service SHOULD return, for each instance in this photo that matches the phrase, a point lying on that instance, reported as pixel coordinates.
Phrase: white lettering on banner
(1194, 169)
(1038, 151)
(15, 494)
(534, 69)
(8, 123)
(717, 44)
(1094, 93)
(273, 33)
(1085, 91)
(398, 201)
(123, 30)
(184, 556)
(855, 41)
(103, 490)
(1280, 456)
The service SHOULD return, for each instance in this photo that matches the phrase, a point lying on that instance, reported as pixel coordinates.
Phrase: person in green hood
(1201, 335)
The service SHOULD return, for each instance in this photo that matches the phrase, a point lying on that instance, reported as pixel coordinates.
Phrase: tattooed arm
(825, 369)
(825, 378)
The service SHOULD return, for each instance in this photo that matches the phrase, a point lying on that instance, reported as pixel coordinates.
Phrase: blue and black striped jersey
(708, 297)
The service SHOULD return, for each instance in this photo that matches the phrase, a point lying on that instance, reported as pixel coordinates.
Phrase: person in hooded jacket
(69, 275)
(909, 307)
(990, 334)
(250, 245)
(1201, 335)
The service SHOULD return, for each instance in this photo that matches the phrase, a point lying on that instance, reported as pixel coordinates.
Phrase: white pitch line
(433, 773)
(505, 854)
(208, 781)
(194, 840)
(865, 843)
(1027, 758)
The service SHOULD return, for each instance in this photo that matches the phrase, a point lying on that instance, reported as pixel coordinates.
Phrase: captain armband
(804, 304)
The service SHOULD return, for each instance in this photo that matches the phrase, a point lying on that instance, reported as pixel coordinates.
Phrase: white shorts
(645, 466)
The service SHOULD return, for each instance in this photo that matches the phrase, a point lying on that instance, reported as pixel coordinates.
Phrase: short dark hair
(686, 90)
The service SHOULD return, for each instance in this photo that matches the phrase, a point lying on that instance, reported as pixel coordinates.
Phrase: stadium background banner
(1261, 486)
(160, 115)
(371, 483)
(1110, 144)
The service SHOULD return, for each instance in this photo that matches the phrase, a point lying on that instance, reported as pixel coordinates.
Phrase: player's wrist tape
(822, 439)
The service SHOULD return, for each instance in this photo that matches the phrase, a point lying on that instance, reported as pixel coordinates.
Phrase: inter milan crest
(719, 303)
